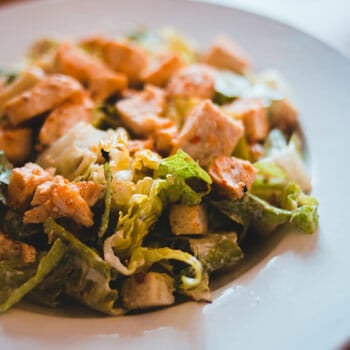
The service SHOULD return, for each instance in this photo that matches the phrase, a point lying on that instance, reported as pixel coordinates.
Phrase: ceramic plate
(294, 293)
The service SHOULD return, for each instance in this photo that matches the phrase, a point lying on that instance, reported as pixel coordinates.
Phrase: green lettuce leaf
(5, 174)
(16, 282)
(187, 181)
(90, 276)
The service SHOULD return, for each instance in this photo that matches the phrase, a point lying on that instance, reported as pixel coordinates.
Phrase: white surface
(296, 296)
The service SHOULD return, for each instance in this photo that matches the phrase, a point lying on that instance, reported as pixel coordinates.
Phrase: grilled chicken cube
(225, 54)
(195, 81)
(101, 80)
(15, 250)
(60, 198)
(141, 113)
(283, 115)
(185, 219)
(23, 183)
(164, 138)
(26, 80)
(207, 133)
(232, 177)
(253, 114)
(90, 191)
(64, 117)
(159, 72)
(16, 143)
(49, 93)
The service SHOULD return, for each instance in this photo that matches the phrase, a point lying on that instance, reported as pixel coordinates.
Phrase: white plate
(294, 297)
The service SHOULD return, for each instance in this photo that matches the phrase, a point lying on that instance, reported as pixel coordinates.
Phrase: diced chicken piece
(23, 183)
(101, 80)
(256, 151)
(225, 54)
(231, 176)
(254, 117)
(65, 117)
(283, 115)
(26, 80)
(147, 290)
(91, 191)
(60, 198)
(207, 133)
(125, 58)
(94, 44)
(140, 145)
(196, 80)
(160, 71)
(16, 143)
(165, 138)
(185, 219)
(44, 96)
(141, 113)
(11, 249)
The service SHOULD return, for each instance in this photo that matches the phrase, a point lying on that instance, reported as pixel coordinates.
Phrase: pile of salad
(133, 169)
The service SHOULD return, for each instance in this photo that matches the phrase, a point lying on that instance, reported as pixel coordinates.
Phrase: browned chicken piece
(141, 113)
(125, 58)
(196, 81)
(207, 133)
(159, 72)
(140, 145)
(231, 176)
(26, 80)
(283, 115)
(165, 138)
(253, 114)
(94, 44)
(225, 54)
(23, 183)
(256, 151)
(44, 96)
(91, 191)
(64, 117)
(11, 249)
(101, 80)
(60, 198)
(16, 143)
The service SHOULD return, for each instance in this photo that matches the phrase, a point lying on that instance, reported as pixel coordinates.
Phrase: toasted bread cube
(44, 96)
(16, 143)
(185, 219)
(148, 290)
(141, 113)
(225, 54)
(253, 114)
(232, 177)
(207, 133)
(161, 71)
(195, 80)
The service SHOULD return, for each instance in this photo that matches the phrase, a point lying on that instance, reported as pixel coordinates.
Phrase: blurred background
(328, 20)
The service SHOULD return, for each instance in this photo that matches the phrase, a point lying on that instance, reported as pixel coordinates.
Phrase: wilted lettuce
(5, 174)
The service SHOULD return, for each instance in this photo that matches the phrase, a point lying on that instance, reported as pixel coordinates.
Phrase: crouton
(64, 117)
(23, 183)
(253, 114)
(225, 54)
(207, 133)
(196, 80)
(231, 176)
(16, 143)
(101, 80)
(16, 250)
(44, 96)
(60, 198)
(185, 219)
(162, 70)
(283, 115)
(141, 113)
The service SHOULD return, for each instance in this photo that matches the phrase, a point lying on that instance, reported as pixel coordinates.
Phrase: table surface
(328, 20)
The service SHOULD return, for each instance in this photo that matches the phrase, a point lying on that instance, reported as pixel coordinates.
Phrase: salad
(133, 169)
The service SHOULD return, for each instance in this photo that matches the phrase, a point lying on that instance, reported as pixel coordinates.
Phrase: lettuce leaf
(5, 174)
(187, 181)
(17, 282)
(90, 277)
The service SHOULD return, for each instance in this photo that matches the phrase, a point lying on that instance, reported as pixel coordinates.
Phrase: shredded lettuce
(12, 292)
